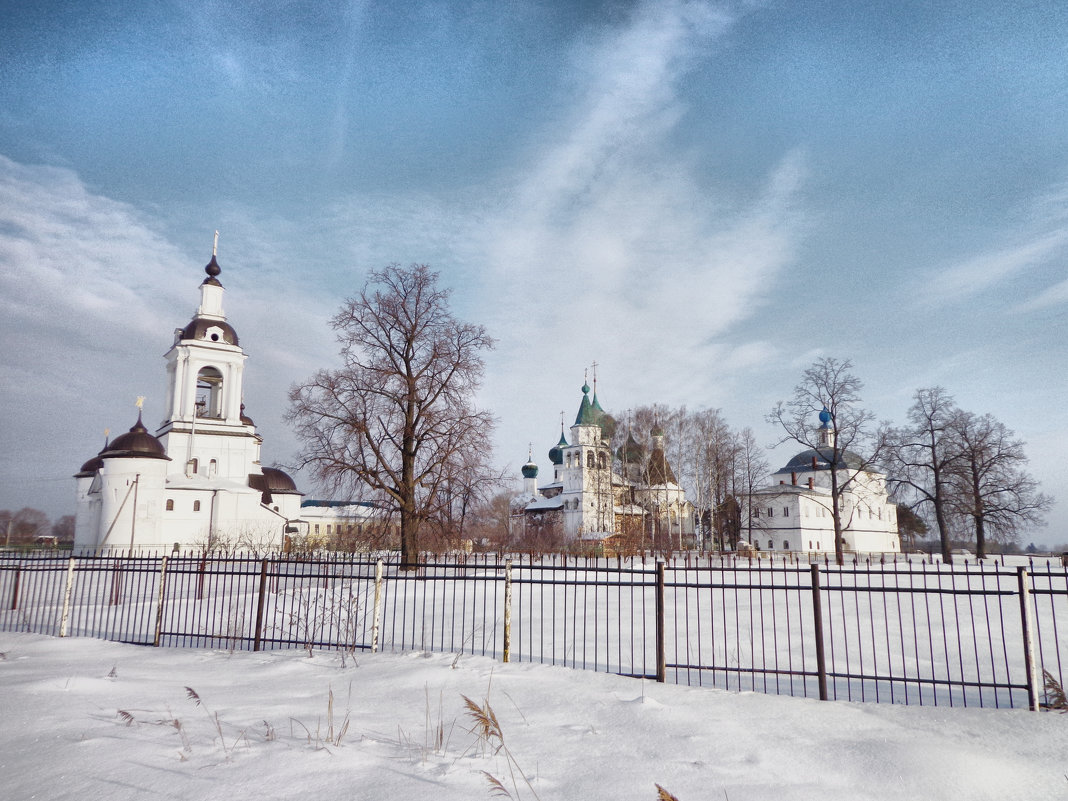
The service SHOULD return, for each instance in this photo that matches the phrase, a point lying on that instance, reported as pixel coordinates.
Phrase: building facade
(793, 512)
(589, 499)
(197, 481)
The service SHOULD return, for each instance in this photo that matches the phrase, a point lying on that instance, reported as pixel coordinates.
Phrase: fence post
(1028, 638)
(378, 607)
(159, 601)
(258, 638)
(15, 589)
(66, 598)
(507, 609)
(116, 584)
(817, 619)
(661, 655)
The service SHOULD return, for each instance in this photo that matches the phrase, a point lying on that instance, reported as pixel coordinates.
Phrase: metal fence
(905, 632)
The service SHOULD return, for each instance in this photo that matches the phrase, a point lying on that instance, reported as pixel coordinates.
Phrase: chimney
(814, 465)
(810, 482)
(793, 478)
(781, 483)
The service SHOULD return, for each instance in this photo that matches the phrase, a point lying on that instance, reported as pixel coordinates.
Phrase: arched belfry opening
(209, 393)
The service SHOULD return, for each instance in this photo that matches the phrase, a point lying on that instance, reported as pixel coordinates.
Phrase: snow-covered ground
(87, 719)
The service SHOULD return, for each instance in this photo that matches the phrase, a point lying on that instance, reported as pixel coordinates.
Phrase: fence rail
(906, 632)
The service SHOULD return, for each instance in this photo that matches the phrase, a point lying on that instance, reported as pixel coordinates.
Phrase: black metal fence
(905, 632)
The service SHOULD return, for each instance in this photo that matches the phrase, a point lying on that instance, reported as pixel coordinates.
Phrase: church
(197, 480)
(793, 512)
(588, 499)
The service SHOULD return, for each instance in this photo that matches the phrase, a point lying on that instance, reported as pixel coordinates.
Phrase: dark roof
(659, 470)
(631, 452)
(335, 504)
(823, 456)
(198, 329)
(136, 443)
(90, 467)
(273, 480)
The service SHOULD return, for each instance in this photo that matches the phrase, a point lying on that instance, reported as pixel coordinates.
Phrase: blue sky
(702, 197)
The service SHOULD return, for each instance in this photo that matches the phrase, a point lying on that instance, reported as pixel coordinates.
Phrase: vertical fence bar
(507, 609)
(15, 588)
(159, 602)
(377, 618)
(65, 619)
(817, 619)
(1028, 638)
(661, 654)
(257, 642)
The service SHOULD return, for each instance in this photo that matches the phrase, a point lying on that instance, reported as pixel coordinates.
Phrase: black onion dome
(136, 443)
(90, 467)
(198, 329)
(823, 457)
(212, 269)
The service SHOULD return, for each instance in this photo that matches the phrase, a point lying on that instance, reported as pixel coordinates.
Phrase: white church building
(589, 500)
(793, 512)
(198, 479)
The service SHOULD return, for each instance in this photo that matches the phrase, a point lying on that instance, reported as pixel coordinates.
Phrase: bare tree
(920, 458)
(26, 525)
(828, 384)
(750, 469)
(991, 485)
(397, 418)
(63, 529)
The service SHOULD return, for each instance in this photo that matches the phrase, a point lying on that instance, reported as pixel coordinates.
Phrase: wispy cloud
(1038, 240)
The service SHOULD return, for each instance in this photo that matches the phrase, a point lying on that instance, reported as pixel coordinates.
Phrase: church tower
(588, 500)
(206, 431)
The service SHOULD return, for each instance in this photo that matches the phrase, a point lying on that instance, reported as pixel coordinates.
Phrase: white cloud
(1041, 238)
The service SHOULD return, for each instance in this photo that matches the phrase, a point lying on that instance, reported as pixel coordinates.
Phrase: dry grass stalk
(1054, 692)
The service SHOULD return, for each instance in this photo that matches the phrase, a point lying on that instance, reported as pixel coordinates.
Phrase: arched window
(196, 506)
(170, 504)
(786, 545)
(590, 460)
(602, 460)
(568, 462)
(771, 545)
(213, 468)
(191, 467)
(209, 393)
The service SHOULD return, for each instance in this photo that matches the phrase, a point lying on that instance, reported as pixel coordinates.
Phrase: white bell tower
(206, 432)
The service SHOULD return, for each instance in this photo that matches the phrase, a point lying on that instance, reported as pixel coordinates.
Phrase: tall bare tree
(750, 469)
(992, 486)
(397, 419)
(829, 384)
(920, 458)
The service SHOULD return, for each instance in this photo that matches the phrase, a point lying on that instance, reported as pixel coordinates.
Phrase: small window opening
(196, 506)
(170, 504)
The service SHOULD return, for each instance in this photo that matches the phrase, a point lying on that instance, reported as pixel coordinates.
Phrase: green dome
(530, 470)
(556, 453)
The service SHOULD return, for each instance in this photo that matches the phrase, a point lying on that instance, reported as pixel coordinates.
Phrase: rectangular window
(771, 513)
(786, 511)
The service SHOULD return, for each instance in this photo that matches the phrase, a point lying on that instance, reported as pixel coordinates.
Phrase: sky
(118, 722)
(700, 197)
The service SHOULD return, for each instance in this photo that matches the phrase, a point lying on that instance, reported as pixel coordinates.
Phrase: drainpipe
(133, 517)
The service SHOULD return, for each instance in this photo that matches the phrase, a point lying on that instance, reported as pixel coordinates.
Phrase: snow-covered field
(87, 719)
